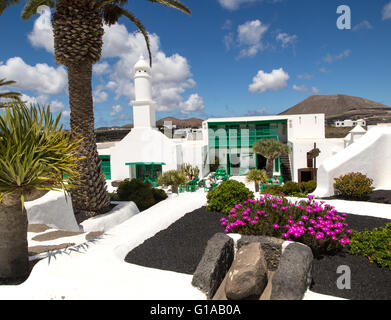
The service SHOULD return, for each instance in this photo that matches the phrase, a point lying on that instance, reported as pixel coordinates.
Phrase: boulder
(271, 248)
(247, 277)
(214, 264)
(293, 275)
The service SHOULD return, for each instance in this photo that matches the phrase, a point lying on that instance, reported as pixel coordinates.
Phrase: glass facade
(232, 143)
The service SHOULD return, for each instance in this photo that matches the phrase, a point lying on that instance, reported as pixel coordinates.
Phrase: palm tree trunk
(256, 184)
(269, 167)
(14, 262)
(92, 195)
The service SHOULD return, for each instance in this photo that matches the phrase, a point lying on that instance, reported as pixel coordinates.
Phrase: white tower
(143, 105)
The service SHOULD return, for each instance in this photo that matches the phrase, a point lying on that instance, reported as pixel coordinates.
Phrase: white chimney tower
(143, 106)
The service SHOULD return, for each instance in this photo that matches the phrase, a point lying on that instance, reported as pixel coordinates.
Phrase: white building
(350, 123)
(145, 151)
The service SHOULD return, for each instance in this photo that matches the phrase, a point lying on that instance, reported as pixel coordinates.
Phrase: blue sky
(230, 58)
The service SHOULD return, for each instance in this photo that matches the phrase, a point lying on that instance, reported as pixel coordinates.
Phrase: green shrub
(274, 190)
(375, 245)
(307, 186)
(141, 193)
(159, 194)
(318, 226)
(290, 188)
(353, 185)
(223, 197)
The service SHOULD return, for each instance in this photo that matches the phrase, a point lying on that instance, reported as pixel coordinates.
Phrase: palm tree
(270, 149)
(35, 154)
(78, 31)
(257, 176)
(8, 94)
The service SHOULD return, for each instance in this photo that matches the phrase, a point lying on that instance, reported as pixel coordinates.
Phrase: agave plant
(78, 40)
(35, 154)
(257, 176)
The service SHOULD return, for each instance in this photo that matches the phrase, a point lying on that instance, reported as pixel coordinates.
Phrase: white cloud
(66, 113)
(101, 68)
(227, 25)
(171, 74)
(275, 80)
(304, 76)
(115, 110)
(250, 37)
(195, 103)
(40, 78)
(42, 34)
(286, 39)
(44, 100)
(363, 25)
(331, 58)
(303, 88)
(315, 90)
(233, 4)
(386, 12)
(259, 112)
(228, 40)
(100, 96)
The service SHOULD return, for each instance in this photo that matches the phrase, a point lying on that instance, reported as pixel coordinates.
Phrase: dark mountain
(340, 107)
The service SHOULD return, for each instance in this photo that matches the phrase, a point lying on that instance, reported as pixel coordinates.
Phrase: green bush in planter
(159, 194)
(141, 193)
(353, 185)
(223, 197)
(307, 186)
(290, 188)
(274, 190)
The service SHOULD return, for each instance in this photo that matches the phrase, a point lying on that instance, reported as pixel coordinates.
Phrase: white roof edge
(259, 118)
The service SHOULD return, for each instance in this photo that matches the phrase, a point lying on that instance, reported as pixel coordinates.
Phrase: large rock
(247, 277)
(271, 248)
(214, 264)
(293, 275)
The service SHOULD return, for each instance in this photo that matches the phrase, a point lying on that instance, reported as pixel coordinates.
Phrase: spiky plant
(35, 154)
(190, 171)
(270, 149)
(257, 176)
(78, 32)
(8, 95)
(173, 178)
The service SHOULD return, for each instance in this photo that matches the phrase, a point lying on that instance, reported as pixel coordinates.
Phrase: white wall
(370, 155)
(305, 126)
(298, 157)
(195, 153)
(143, 145)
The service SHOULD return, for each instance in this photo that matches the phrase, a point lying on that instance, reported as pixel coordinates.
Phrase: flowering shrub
(317, 225)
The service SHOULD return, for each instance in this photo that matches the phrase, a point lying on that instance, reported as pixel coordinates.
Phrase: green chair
(181, 189)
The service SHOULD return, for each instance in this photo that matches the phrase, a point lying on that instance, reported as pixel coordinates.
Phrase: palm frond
(173, 4)
(113, 12)
(4, 4)
(31, 7)
(35, 152)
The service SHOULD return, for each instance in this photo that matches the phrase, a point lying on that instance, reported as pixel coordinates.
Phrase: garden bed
(378, 196)
(180, 247)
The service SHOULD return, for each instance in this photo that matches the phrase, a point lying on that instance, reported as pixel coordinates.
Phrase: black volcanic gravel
(378, 196)
(179, 247)
(368, 280)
